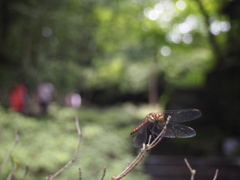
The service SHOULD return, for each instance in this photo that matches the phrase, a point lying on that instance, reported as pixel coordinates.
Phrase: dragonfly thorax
(152, 117)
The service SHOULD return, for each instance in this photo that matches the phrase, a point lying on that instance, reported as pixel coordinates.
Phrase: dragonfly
(153, 123)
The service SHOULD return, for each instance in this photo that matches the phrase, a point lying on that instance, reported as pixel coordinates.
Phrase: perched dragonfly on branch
(154, 122)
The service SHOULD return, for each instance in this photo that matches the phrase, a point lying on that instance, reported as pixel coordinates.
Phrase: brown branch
(25, 173)
(160, 136)
(143, 152)
(216, 174)
(218, 52)
(13, 170)
(74, 156)
(80, 173)
(17, 138)
(192, 171)
(104, 173)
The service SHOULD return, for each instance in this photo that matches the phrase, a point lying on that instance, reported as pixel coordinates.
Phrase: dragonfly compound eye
(158, 116)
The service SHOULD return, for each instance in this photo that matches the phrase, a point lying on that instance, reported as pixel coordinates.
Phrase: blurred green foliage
(99, 45)
(46, 144)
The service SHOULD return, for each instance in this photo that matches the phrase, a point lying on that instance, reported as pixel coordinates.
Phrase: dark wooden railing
(175, 168)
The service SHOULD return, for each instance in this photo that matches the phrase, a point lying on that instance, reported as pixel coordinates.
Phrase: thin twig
(216, 174)
(13, 169)
(80, 173)
(143, 152)
(104, 173)
(25, 173)
(132, 165)
(149, 139)
(160, 136)
(17, 138)
(74, 156)
(192, 171)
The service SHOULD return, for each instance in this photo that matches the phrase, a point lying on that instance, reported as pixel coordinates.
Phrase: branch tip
(145, 148)
(74, 156)
(104, 173)
(80, 173)
(216, 175)
(192, 171)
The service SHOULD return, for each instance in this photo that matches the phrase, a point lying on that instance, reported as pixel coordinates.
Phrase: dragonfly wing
(175, 130)
(182, 115)
(179, 131)
(155, 129)
(140, 137)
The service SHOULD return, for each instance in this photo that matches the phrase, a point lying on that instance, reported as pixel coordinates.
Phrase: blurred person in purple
(45, 95)
(73, 100)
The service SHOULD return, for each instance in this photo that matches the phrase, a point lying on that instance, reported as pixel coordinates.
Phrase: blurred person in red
(17, 98)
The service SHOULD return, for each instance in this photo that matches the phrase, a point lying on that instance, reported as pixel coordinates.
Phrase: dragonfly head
(155, 117)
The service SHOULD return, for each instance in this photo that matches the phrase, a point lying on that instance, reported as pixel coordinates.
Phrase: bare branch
(17, 138)
(160, 136)
(143, 152)
(14, 169)
(26, 172)
(104, 173)
(80, 173)
(216, 174)
(149, 139)
(74, 156)
(192, 171)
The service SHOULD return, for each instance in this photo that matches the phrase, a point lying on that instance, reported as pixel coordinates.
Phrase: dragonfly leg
(153, 131)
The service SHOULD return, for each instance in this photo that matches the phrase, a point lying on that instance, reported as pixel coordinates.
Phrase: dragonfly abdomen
(138, 127)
